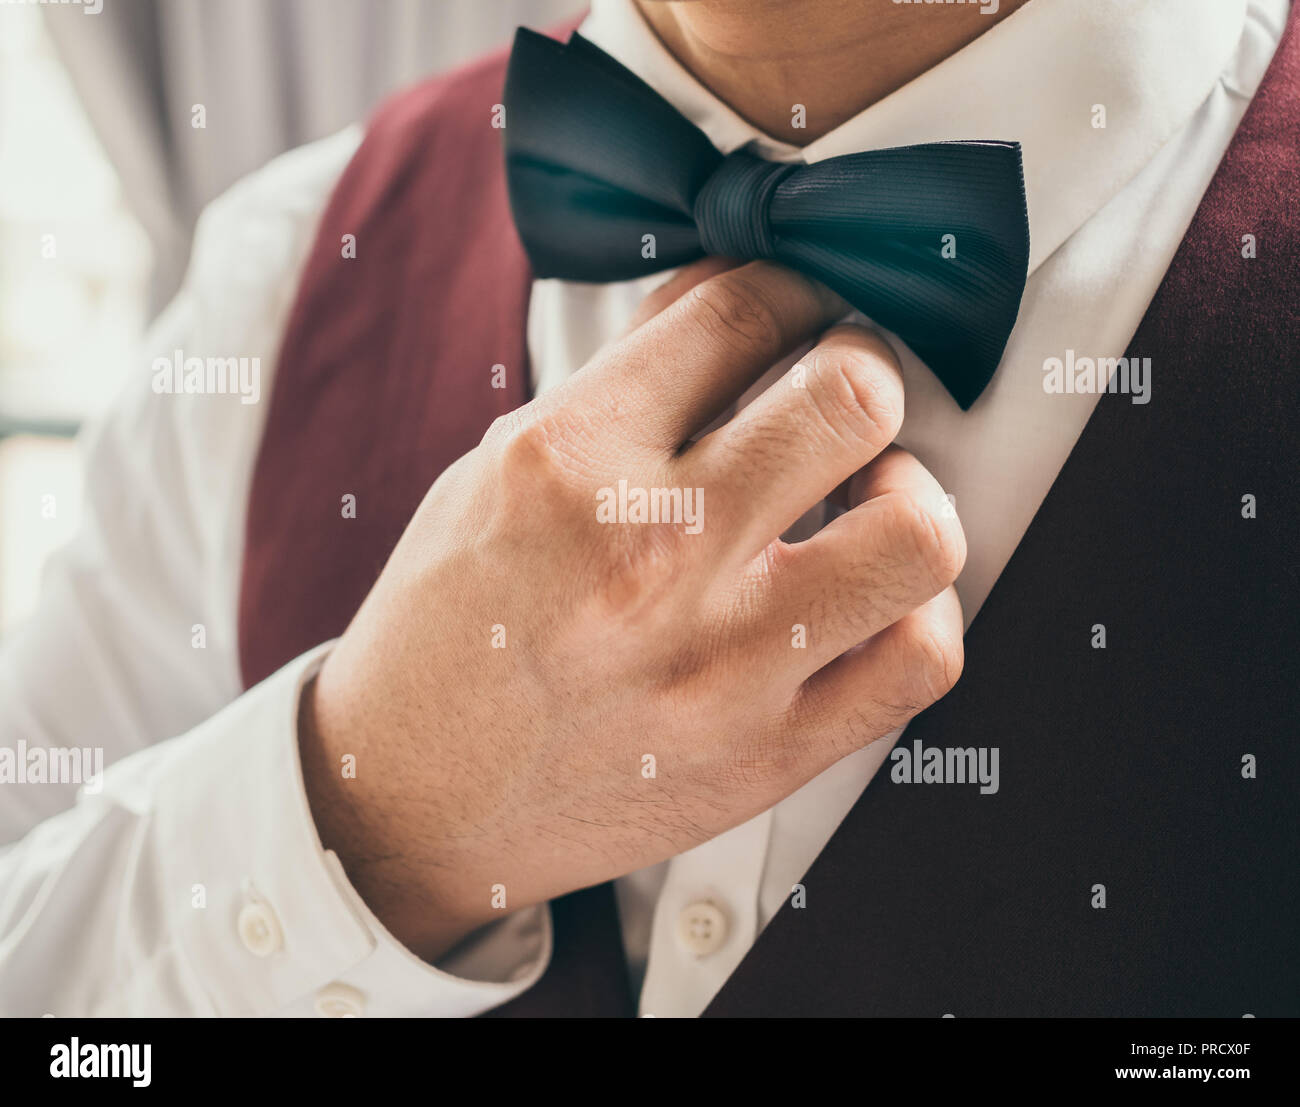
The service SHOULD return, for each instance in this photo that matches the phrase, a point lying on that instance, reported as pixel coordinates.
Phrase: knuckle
(935, 660)
(637, 573)
(543, 479)
(527, 456)
(857, 397)
(533, 451)
(505, 426)
(933, 540)
(734, 306)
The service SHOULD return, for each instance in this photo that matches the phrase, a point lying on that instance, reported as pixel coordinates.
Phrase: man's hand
(540, 699)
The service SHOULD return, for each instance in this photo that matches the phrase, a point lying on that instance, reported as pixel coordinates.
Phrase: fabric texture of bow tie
(596, 160)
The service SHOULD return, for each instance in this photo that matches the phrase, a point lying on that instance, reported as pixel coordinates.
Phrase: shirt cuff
(283, 932)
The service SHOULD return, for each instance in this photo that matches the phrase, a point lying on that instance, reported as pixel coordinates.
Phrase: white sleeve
(188, 878)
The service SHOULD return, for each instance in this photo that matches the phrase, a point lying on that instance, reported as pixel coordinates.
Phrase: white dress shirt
(191, 880)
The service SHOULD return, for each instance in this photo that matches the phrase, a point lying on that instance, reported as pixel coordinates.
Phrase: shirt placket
(705, 920)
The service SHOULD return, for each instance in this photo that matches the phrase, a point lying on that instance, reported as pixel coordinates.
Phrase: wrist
(367, 821)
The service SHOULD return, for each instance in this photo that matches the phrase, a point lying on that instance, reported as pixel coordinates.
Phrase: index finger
(680, 283)
(676, 372)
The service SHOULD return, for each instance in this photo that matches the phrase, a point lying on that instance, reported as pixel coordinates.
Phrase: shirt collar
(1036, 78)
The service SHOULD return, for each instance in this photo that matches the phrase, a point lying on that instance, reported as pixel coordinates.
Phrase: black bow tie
(608, 181)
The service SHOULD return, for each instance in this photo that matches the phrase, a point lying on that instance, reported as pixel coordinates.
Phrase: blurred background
(102, 177)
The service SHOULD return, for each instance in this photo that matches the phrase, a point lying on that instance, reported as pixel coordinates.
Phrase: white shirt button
(701, 929)
(259, 929)
(340, 1001)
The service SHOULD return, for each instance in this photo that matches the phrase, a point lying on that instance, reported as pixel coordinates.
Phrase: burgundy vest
(1120, 766)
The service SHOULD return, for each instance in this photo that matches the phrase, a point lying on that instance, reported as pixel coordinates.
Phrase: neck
(834, 57)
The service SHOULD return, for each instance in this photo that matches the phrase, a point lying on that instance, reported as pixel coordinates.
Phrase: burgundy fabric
(384, 379)
(385, 373)
(1119, 766)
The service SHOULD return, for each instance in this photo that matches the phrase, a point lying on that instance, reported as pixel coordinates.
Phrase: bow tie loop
(731, 208)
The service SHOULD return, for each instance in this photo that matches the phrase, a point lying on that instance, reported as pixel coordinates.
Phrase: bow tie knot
(731, 208)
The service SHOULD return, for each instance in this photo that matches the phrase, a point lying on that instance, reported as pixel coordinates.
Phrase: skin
(763, 56)
(522, 766)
